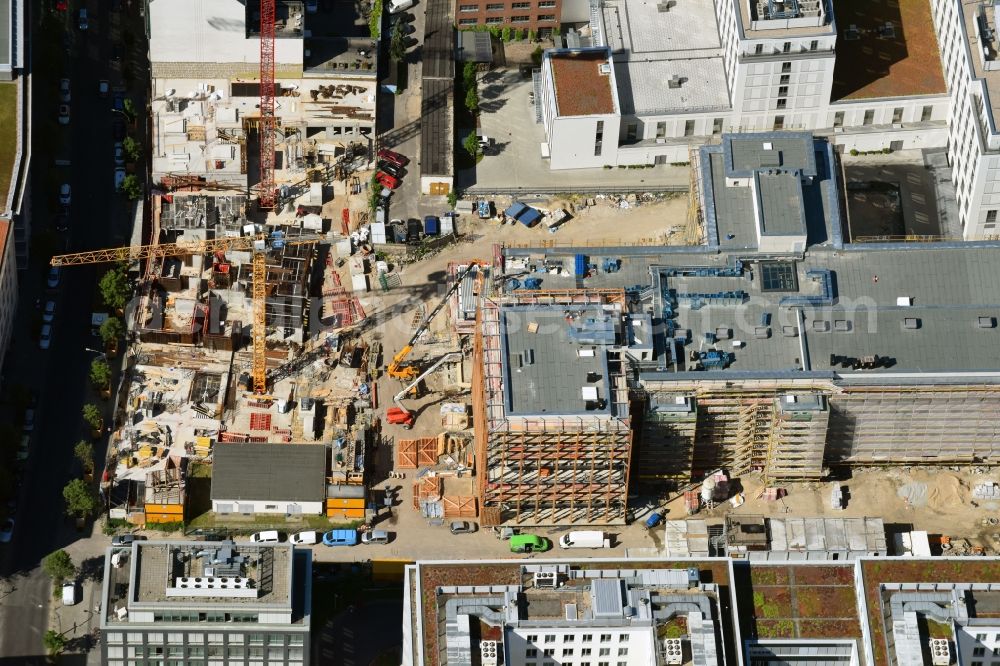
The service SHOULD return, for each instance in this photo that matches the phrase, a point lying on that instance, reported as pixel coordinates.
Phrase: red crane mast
(266, 198)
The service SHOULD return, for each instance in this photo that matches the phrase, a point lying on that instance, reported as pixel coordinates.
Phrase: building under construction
(787, 366)
(551, 408)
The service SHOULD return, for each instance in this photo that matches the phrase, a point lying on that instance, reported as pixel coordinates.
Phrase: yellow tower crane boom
(260, 244)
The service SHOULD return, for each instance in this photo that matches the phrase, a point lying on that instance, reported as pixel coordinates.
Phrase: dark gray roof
(780, 199)
(544, 373)
(746, 153)
(438, 51)
(280, 472)
(435, 127)
(474, 47)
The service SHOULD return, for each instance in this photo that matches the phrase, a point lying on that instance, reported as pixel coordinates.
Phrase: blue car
(340, 538)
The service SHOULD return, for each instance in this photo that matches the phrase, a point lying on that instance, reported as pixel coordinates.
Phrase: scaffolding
(547, 470)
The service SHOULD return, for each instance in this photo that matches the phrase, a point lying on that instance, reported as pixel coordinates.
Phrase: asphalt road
(59, 375)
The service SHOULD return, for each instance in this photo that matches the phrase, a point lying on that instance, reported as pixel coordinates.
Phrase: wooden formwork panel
(426, 488)
(406, 454)
(414, 453)
(460, 506)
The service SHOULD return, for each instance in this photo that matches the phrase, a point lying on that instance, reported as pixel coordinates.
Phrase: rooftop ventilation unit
(665, 6)
(852, 34)
(675, 81)
(887, 31)
(546, 579)
(605, 68)
(986, 322)
(940, 650)
(673, 651)
(488, 653)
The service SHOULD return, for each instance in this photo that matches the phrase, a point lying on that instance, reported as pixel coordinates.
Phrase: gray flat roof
(157, 566)
(6, 30)
(746, 153)
(281, 472)
(780, 198)
(949, 287)
(553, 383)
(640, 28)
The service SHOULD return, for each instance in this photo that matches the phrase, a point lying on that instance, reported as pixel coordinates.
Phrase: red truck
(394, 157)
(386, 180)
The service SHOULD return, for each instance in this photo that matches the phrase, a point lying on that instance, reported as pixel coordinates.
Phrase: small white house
(288, 479)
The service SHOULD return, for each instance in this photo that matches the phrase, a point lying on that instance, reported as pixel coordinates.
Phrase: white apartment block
(657, 78)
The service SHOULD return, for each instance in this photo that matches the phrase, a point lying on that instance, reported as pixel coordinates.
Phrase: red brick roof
(581, 88)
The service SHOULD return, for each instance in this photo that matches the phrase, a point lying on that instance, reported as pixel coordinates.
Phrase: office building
(183, 602)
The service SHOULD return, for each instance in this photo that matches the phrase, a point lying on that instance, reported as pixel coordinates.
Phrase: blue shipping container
(580, 265)
(432, 225)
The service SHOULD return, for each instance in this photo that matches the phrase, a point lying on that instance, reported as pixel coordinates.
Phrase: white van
(584, 539)
(396, 6)
(69, 594)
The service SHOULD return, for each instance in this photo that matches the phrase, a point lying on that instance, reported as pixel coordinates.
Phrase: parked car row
(391, 168)
(329, 538)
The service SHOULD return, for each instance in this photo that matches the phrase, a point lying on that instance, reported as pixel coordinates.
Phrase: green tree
(92, 415)
(115, 287)
(532, 35)
(81, 501)
(469, 74)
(374, 194)
(397, 47)
(84, 452)
(54, 642)
(132, 148)
(505, 33)
(131, 187)
(375, 19)
(519, 35)
(112, 329)
(130, 109)
(452, 198)
(472, 100)
(59, 566)
(471, 144)
(555, 31)
(100, 372)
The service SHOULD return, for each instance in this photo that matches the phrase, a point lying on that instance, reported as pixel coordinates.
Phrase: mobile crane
(400, 415)
(408, 373)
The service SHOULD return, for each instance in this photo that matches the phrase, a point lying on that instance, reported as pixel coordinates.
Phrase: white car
(45, 339)
(49, 313)
(307, 538)
(54, 276)
(64, 114)
(64, 93)
(267, 536)
(65, 194)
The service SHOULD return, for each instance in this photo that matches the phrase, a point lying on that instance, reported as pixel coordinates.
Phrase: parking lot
(515, 161)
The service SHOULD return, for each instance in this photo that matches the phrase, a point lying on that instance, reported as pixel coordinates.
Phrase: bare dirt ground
(938, 500)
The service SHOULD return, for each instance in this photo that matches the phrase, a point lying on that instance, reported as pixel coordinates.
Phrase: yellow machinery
(261, 244)
(408, 373)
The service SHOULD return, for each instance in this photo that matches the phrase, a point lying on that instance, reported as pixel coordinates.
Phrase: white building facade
(684, 71)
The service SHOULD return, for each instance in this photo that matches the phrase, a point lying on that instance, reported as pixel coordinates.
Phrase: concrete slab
(516, 162)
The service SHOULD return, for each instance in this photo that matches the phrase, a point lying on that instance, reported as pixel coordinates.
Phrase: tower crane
(261, 244)
(266, 197)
